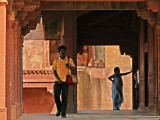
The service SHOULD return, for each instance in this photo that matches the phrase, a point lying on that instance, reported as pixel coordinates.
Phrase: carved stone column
(16, 66)
(21, 73)
(3, 110)
(151, 69)
(70, 40)
(150, 47)
(19, 70)
(158, 39)
(10, 75)
(141, 69)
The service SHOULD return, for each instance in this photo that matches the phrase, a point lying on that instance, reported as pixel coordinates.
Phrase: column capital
(3, 2)
(148, 15)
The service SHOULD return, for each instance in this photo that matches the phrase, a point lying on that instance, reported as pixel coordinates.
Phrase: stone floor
(96, 115)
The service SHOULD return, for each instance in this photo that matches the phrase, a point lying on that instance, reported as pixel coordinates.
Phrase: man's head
(62, 50)
(116, 70)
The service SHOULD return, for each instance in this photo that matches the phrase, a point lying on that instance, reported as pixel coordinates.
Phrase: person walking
(61, 68)
(117, 88)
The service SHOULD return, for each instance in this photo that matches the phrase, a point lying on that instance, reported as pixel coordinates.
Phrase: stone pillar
(10, 78)
(150, 68)
(70, 40)
(158, 39)
(141, 69)
(3, 110)
(19, 54)
(155, 67)
(16, 67)
(21, 73)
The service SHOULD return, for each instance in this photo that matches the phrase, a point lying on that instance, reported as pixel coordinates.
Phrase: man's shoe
(58, 113)
(63, 115)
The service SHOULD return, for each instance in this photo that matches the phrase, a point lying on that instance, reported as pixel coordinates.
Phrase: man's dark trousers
(58, 88)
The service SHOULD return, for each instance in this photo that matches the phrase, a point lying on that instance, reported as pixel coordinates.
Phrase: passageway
(112, 27)
(100, 22)
(97, 115)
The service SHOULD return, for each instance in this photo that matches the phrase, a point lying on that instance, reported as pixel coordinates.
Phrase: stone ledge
(37, 72)
(39, 80)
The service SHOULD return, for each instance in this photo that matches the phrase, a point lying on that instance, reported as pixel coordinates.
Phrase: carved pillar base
(22, 107)
(3, 113)
(11, 113)
(17, 110)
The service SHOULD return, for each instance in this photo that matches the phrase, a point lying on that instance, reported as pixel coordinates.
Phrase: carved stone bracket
(153, 5)
(147, 15)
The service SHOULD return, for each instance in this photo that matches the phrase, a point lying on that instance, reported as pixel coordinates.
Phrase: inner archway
(111, 28)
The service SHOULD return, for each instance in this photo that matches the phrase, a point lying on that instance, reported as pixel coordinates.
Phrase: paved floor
(96, 115)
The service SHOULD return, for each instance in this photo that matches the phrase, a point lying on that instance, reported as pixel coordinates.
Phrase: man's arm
(56, 75)
(70, 67)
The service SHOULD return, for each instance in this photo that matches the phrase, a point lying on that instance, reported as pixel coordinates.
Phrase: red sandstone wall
(37, 74)
(36, 50)
(37, 101)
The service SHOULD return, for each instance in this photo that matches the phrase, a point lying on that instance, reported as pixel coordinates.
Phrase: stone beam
(84, 5)
(98, 0)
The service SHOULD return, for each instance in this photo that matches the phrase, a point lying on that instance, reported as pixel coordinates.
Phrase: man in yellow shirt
(61, 68)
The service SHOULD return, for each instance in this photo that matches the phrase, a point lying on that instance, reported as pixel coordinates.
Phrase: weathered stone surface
(37, 101)
(113, 56)
(33, 54)
(94, 88)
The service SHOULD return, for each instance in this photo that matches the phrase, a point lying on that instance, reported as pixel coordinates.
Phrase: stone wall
(33, 54)
(94, 88)
(36, 50)
(38, 78)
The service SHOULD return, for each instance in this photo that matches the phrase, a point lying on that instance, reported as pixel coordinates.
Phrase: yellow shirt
(60, 66)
